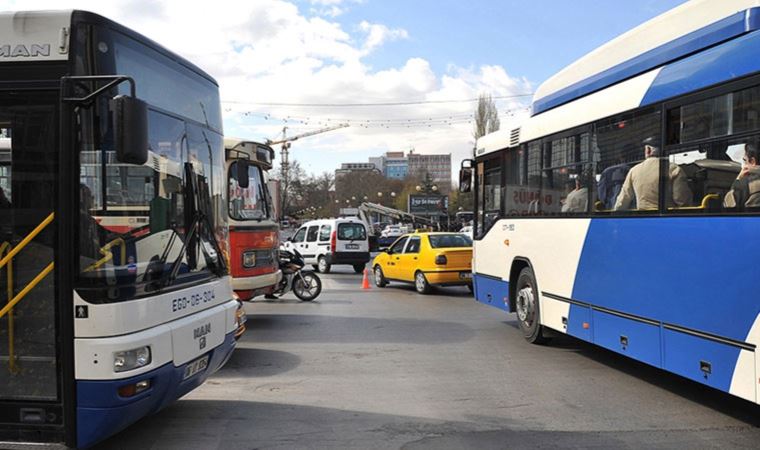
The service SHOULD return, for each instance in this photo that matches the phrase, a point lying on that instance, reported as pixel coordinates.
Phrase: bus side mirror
(130, 129)
(465, 176)
(241, 173)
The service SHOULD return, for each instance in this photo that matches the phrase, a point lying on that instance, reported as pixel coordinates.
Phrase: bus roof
(23, 33)
(622, 75)
(255, 152)
(686, 29)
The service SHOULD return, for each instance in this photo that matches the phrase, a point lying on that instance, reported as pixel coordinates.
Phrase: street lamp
(393, 194)
(380, 194)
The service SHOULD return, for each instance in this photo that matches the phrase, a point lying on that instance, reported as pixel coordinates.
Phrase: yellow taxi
(426, 259)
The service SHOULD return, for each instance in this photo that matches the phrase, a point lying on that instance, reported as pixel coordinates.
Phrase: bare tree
(486, 117)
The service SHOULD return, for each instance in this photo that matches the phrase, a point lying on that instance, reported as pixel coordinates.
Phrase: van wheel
(358, 268)
(322, 265)
(421, 283)
(528, 309)
(380, 280)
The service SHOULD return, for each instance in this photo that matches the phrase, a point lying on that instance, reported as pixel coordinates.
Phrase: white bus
(113, 228)
(604, 214)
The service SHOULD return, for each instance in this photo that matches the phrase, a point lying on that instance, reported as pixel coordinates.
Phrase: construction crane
(285, 141)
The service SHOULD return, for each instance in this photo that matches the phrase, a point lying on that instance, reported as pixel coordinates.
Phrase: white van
(326, 242)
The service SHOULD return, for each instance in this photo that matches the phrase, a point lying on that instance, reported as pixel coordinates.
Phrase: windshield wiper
(200, 218)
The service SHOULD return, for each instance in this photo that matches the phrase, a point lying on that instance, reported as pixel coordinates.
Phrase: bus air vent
(514, 137)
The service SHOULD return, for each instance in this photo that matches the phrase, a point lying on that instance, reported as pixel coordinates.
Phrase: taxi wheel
(421, 283)
(380, 280)
(322, 265)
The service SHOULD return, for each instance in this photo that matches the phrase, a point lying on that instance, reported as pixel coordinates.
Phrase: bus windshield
(145, 228)
(247, 203)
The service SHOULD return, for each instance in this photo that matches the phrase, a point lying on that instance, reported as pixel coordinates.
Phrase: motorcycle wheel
(307, 286)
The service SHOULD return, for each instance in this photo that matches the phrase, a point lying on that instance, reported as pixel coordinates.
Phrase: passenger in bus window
(642, 182)
(577, 200)
(745, 191)
(610, 182)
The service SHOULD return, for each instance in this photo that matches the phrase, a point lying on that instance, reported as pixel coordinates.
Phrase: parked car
(327, 242)
(392, 231)
(426, 259)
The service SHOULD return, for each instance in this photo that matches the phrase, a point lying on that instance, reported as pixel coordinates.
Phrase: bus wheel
(527, 306)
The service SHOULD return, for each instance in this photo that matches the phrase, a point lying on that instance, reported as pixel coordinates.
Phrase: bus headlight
(249, 259)
(131, 359)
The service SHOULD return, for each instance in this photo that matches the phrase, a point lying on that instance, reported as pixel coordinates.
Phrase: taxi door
(390, 266)
(408, 261)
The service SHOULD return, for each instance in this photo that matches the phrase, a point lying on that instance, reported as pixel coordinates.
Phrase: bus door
(30, 376)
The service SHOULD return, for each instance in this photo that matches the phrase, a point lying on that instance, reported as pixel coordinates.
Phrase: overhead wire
(371, 104)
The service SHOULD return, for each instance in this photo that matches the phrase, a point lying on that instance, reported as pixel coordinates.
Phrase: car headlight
(249, 259)
(131, 359)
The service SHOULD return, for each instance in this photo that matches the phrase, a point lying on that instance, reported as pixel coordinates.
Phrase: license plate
(196, 366)
(465, 275)
(352, 246)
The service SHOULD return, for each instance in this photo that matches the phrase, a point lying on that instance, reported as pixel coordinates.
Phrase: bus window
(489, 195)
(248, 203)
(619, 148)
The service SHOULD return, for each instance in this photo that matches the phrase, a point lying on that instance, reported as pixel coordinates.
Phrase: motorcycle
(305, 284)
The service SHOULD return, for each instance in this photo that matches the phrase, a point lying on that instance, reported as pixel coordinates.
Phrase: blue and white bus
(115, 298)
(602, 215)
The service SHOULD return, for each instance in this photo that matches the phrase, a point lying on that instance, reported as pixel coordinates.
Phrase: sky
(274, 57)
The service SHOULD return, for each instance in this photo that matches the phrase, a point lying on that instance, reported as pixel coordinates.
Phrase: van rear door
(352, 237)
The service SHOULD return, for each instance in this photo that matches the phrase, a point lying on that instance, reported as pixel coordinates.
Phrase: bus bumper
(101, 411)
(256, 281)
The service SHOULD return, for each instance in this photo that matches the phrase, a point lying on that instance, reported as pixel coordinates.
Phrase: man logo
(22, 51)
(81, 312)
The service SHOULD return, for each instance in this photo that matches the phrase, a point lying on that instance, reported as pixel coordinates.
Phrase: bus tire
(528, 308)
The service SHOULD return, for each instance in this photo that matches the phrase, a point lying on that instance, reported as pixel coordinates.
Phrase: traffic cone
(365, 281)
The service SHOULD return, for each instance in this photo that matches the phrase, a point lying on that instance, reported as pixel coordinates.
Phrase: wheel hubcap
(322, 264)
(525, 305)
(420, 281)
(378, 275)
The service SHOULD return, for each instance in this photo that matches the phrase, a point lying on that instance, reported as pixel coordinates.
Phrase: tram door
(30, 381)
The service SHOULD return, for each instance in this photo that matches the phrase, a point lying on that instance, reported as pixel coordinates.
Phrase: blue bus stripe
(731, 60)
(720, 31)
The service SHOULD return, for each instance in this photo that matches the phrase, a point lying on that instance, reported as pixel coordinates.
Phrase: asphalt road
(388, 368)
